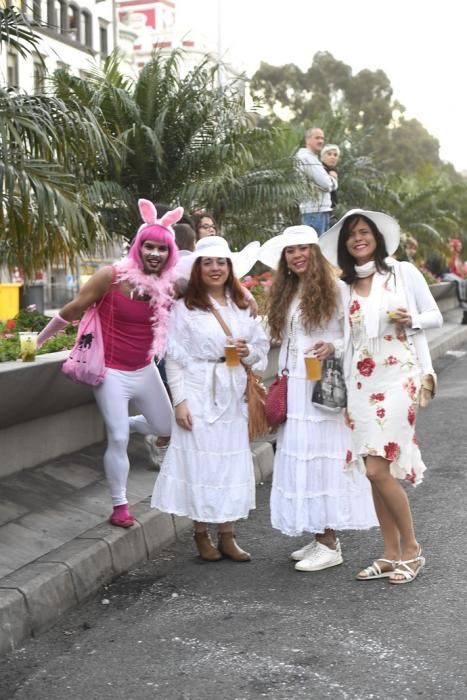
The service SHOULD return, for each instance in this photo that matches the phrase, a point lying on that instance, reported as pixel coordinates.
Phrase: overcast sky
(421, 46)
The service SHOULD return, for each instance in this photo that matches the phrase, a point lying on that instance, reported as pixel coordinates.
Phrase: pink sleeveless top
(126, 331)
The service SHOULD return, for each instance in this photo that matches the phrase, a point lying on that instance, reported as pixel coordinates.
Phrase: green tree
(16, 32)
(46, 147)
(185, 141)
(329, 89)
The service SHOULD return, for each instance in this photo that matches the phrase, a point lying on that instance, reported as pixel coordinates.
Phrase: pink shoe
(121, 517)
(122, 522)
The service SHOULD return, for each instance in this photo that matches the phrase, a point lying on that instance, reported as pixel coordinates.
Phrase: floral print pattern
(366, 366)
(383, 396)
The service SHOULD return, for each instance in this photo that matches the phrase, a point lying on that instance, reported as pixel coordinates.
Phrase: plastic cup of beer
(28, 345)
(313, 367)
(232, 358)
(391, 312)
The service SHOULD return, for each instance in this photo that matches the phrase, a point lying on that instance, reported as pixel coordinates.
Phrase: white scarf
(375, 301)
(365, 270)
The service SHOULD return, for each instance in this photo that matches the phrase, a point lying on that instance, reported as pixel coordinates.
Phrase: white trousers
(145, 388)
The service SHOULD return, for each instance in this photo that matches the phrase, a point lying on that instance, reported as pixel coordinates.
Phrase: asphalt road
(180, 629)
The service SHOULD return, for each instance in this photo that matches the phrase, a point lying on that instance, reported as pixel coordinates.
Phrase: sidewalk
(56, 547)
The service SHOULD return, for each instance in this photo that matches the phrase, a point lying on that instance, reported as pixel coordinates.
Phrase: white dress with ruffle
(311, 491)
(208, 473)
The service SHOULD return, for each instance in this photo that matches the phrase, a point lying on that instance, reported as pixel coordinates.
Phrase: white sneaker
(321, 558)
(156, 454)
(304, 552)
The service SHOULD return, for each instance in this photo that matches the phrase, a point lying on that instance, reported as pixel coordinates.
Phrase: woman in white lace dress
(388, 306)
(207, 473)
(310, 490)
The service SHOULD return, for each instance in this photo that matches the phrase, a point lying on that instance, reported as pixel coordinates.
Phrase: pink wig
(155, 229)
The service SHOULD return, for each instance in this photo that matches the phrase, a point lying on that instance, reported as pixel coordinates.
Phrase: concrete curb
(33, 598)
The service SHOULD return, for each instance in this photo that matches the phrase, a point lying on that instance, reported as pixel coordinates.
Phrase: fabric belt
(213, 386)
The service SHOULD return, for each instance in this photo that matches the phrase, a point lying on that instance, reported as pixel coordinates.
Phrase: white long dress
(208, 472)
(311, 491)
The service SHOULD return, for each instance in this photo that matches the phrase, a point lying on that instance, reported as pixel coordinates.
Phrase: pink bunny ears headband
(149, 215)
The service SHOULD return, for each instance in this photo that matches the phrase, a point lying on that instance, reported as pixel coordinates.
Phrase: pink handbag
(86, 363)
(276, 400)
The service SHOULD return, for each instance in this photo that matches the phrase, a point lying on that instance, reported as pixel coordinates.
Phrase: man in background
(316, 211)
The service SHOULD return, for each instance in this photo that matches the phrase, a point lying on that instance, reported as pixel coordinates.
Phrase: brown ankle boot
(228, 546)
(205, 546)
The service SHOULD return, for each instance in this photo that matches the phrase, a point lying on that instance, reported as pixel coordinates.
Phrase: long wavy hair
(318, 294)
(197, 296)
(346, 262)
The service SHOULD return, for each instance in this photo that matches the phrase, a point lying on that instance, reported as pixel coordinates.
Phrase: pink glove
(56, 324)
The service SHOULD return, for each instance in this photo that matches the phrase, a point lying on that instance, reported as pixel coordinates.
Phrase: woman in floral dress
(389, 303)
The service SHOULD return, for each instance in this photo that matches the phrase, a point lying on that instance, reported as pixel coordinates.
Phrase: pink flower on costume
(411, 415)
(387, 337)
(410, 388)
(377, 397)
(381, 412)
(366, 366)
(354, 307)
(348, 457)
(391, 360)
(411, 477)
(391, 451)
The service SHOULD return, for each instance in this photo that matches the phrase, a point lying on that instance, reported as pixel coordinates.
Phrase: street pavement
(177, 628)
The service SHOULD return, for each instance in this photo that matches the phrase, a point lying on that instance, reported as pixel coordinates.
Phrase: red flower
(411, 415)
(359, 385)
(366, 366)
(391, 451)
(391, 360)
(381, 412)
(410, 477)
(410, 388)
(355, 306)
(10, 324)
(388, 337)
(377, 397)
(348, 457)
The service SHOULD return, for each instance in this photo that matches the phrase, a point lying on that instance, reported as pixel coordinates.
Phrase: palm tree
(16, 32)
(47, 150)
(185, 141)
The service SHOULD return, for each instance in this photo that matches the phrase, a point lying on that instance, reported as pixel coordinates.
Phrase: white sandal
(408, 573)
(375, 571)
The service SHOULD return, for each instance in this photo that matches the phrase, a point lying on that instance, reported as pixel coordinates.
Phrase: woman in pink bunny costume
(134, 298)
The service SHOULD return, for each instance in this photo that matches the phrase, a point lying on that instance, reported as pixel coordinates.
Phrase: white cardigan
(422, 308)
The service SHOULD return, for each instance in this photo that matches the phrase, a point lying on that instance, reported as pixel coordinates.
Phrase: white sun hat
(271, 251)
(388, 227)
(217, 247)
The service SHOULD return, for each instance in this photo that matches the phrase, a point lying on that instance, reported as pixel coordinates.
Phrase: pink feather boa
(159, 289)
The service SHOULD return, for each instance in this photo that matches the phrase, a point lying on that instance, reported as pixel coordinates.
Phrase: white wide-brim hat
(271, 251)
(388, 227)
(217, 247)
